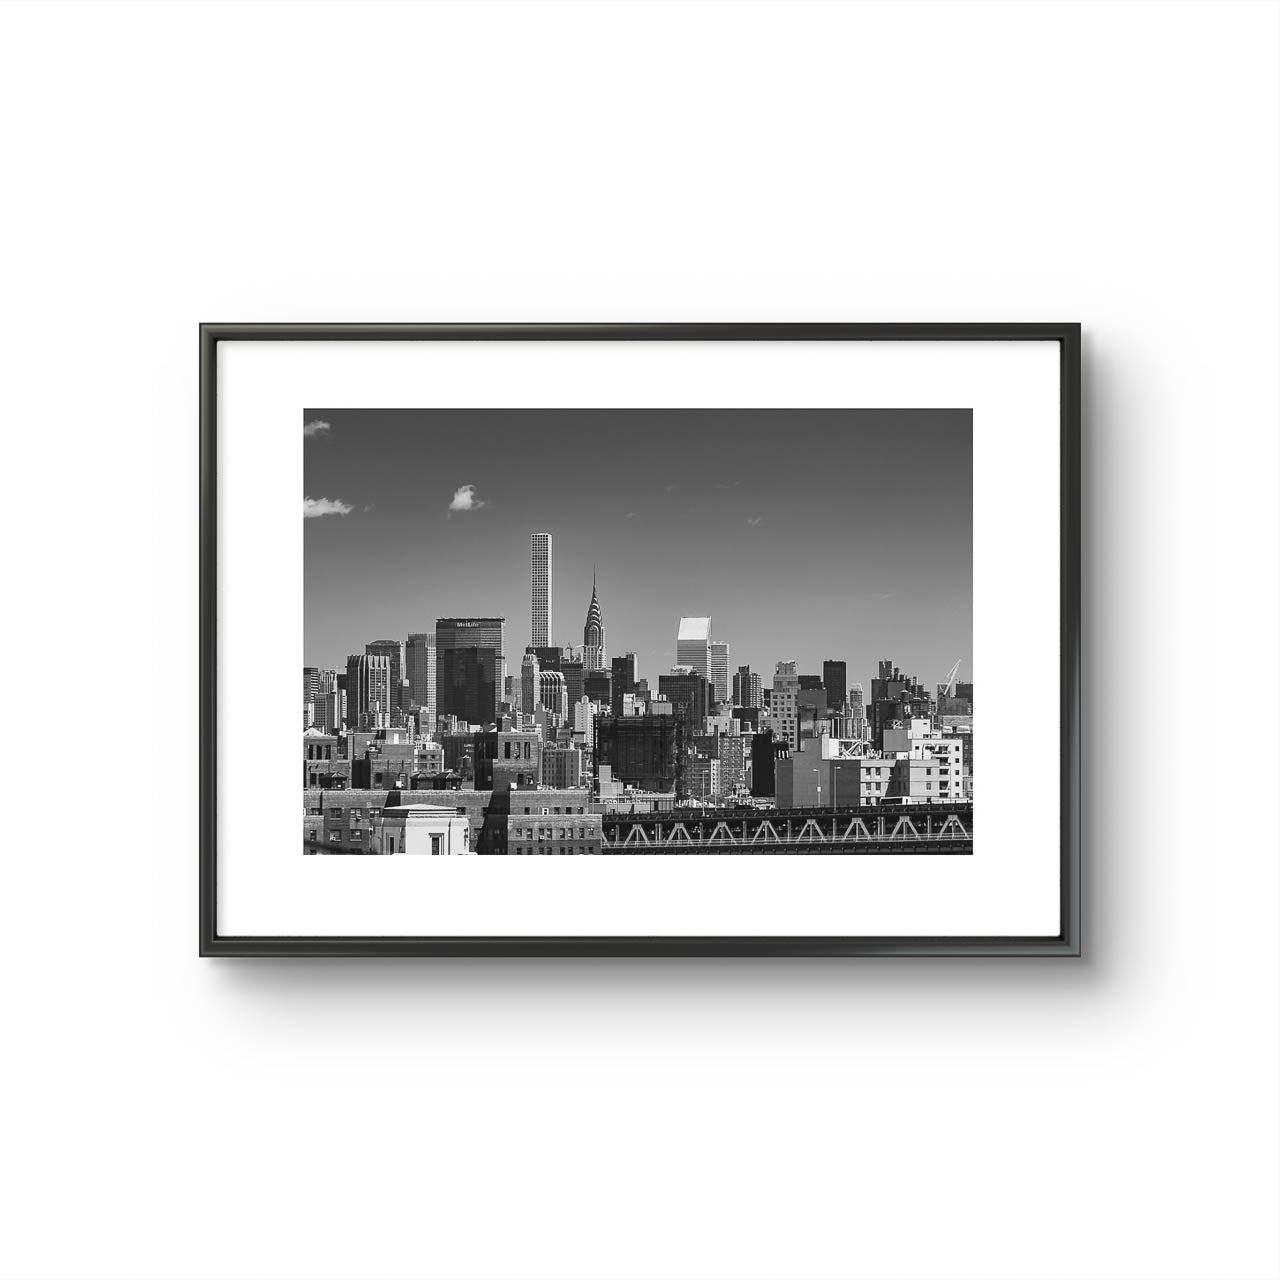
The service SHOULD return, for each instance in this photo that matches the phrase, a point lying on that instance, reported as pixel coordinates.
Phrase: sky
(805, 534)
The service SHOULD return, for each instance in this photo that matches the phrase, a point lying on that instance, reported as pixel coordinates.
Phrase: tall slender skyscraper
(420, 671)
(718, 670)
(540, 589)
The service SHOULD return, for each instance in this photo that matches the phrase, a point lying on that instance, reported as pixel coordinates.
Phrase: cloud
(631, 515)
(754, 520)
(324, 507)
(464, 499)
(316, 427)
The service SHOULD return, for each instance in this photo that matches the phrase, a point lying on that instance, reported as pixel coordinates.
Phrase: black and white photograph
(706, 663)
(638, 632)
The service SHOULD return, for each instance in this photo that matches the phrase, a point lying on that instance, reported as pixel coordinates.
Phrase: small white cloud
(324, 507)
(316, 427)
(631, 515)
(464, 499)
(754, 520)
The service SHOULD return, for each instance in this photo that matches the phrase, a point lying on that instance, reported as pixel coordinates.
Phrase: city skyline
(680, 512)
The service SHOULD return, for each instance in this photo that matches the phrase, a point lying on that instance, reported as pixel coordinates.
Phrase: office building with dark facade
(689, 693)
(764, 753)
(467, 684)
(597, 686)
(470, 668)
(835, 680)
(646, 752)
(623, 670)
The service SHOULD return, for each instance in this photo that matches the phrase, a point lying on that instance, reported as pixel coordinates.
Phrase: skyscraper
(540, 589)
(369, 703)
(835, 680)
(693, 645)
(553, 693)
(310, 688)
(328, 704)
(393, 651)
(688, 693)
(746, 688)
(858, 707)
(594, 656)
(468, 686)
(529, 683)
(420, 671)
(624, 681)
(718, 670)
(784, 709)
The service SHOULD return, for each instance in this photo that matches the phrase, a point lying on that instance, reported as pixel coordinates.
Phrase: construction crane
(947, 688)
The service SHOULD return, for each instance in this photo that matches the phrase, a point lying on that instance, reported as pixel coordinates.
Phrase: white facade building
(540, 589)
(693, 646)
(421, 828)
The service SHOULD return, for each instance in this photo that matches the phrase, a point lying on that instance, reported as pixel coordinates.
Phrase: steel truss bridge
(918, 829)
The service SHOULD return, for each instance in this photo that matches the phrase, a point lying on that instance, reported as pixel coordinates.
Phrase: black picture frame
(1066, 943)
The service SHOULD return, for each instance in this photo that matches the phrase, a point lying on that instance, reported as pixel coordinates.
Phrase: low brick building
(344, 821)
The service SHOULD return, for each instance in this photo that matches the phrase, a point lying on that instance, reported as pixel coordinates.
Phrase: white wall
(1108, 163)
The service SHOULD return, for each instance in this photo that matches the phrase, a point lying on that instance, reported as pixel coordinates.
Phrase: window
(435, 845)
(391, 844)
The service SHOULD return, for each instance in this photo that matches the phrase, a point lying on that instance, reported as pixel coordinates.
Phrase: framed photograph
(682, 640)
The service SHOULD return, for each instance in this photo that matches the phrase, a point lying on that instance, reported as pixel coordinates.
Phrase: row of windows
(565, 849)
(568, 809)
(548, 833)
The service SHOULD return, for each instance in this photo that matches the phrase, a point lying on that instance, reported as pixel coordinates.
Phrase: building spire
(594, 653)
